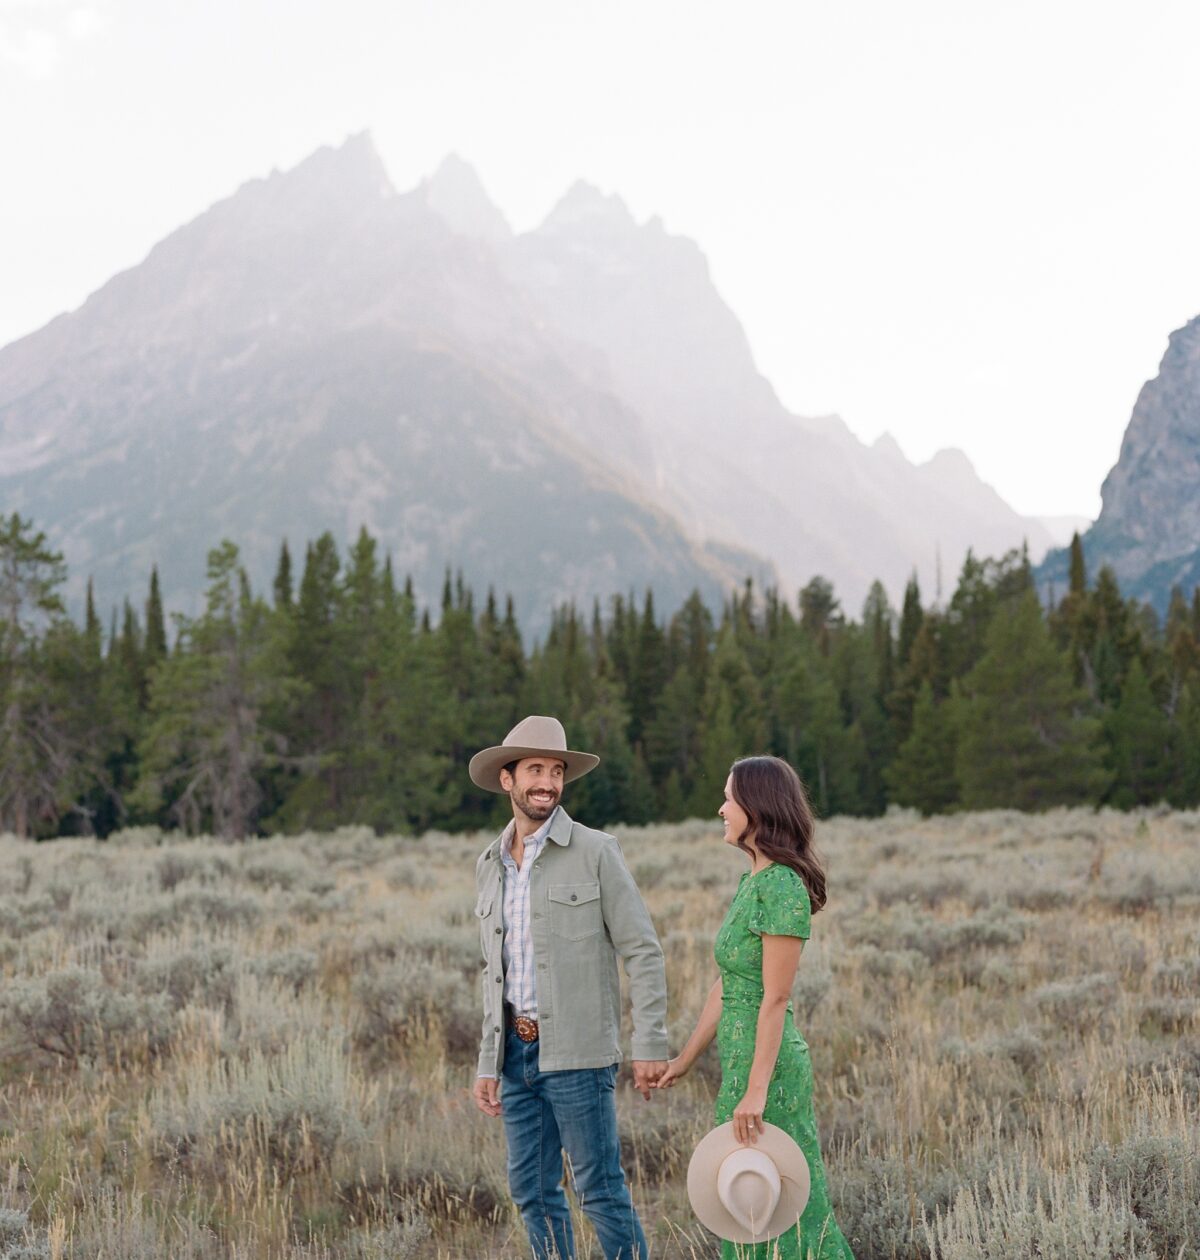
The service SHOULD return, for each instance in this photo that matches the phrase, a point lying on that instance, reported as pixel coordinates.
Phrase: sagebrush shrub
(1159, 1174)
(1013, 1218)
(74, 1013)
(294, 968)
(204, 976)
(403, 999)
(298, 1108)
(1078, 1003)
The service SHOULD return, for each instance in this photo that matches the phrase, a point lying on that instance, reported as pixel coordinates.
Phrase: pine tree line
(340, 701)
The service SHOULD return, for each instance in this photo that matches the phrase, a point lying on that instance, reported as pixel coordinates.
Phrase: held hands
(646, 1075)
(677, 1069)
(748, 1115)
(486, 1093)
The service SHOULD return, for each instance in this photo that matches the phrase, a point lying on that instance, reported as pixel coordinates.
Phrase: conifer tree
(732, 722)
(156, 626)
(1184, 790)
(206, 748)
(811, 733)
(925, 665)
(36, 758)
(922, 773)
(820, 614)
(1023, 740)
(911, 617)
(1138, 737)
(316, 728)
(91, 623)
(968, 616)
(131, 650)
(1078, 568)
(649, 673)
(282, 585)
(90, 712)
(856, 672)
(1182, 645)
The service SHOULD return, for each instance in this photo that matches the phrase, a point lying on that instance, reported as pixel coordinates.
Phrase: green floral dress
(775, 903)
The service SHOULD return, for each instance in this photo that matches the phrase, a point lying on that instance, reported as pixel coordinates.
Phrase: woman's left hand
(748, 1115)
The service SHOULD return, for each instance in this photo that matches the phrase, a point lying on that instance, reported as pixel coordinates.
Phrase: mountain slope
(318, 352)
(727, 456)
(1148, 530)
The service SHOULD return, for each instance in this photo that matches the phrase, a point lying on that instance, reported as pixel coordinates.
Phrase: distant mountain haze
(568, 413)
(729, 459)
(1148, 530)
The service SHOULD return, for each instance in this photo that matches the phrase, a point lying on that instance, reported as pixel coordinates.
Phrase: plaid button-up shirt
(520, 990)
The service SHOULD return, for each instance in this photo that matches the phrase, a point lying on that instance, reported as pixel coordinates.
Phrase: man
(556, 905)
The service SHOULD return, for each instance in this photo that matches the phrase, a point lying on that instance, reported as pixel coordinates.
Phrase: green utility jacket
(585, 909)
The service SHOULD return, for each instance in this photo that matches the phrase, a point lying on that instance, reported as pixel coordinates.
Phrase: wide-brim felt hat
(748, 1193)
(533, 736)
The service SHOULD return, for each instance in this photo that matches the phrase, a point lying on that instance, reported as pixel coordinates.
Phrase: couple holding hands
(556, 907)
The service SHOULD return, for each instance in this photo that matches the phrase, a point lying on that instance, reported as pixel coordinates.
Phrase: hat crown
(537, 732)
(748, 1186)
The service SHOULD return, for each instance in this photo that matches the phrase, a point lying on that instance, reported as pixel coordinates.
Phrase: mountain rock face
(566, 414)
(726, 457)
(1148, 530)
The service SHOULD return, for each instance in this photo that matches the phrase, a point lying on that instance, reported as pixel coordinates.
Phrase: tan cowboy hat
(531, 737)
(747, 1194)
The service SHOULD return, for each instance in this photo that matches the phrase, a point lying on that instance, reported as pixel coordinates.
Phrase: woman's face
(733, 815)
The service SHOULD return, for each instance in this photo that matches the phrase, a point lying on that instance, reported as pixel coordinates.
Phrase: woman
(766, 1075)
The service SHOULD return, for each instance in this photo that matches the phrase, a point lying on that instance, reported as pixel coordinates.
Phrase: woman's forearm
(706, 1026)
(768, 1035)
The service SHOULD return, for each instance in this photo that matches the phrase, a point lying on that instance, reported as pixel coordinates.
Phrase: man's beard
(534, 811)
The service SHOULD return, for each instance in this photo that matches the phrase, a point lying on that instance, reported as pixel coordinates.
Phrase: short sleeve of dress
(781, 906)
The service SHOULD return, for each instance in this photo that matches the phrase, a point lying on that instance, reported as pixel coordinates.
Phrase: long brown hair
(779, 819)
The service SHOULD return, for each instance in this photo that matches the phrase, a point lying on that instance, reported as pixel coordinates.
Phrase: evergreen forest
(336, 699)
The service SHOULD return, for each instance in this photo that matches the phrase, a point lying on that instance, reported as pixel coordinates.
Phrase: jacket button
(499, 979)
(574, 897)
(496, 1028)
(499, 930)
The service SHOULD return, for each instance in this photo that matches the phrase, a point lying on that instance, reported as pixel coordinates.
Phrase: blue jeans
(545, 1114)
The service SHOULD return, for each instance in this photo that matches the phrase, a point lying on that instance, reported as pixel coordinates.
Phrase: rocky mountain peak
(350, 171)
(887, 446)
(455, 193)
(951, 462)
(585, 204)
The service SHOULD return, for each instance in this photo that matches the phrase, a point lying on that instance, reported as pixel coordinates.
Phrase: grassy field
(264, 1050)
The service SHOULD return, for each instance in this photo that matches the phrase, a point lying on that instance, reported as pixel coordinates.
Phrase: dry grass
(264, 1051)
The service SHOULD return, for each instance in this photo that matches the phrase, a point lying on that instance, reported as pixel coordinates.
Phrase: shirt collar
(536, 840)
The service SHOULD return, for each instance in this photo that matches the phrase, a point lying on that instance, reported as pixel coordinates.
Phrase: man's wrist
(655, 1053)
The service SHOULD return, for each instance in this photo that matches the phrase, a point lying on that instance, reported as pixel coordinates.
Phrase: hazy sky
(966, 223)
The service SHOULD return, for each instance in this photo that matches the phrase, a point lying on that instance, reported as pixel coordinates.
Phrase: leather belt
(525, 1028)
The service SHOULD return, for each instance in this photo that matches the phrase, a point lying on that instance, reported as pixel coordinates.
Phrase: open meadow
(264, 1050)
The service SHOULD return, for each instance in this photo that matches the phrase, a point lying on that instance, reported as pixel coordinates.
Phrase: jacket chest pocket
(575, 911)
(483, 912)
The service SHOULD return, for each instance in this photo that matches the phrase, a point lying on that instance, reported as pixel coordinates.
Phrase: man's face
(535, 786)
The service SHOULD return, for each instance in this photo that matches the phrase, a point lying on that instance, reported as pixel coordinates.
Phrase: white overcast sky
(967, 223)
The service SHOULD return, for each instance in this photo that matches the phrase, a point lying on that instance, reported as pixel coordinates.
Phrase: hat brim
(794, 1182)
(485, 766)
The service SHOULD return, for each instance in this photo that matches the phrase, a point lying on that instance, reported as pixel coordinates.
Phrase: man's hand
(487, 1095)
(675, 1070)
(646, 1073)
